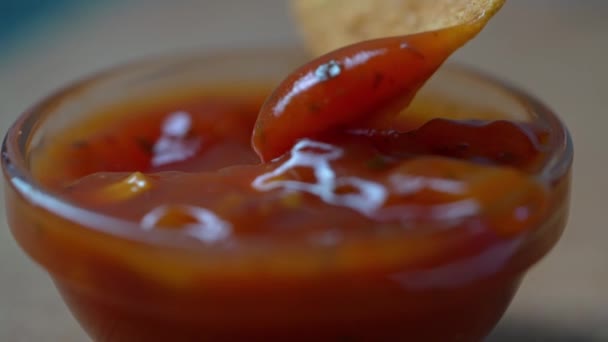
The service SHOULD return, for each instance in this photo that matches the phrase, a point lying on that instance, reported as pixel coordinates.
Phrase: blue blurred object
(21, 19)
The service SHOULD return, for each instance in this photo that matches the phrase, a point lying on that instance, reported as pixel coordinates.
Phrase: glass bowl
(126, 284)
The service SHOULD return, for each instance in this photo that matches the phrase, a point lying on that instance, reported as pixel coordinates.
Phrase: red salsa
(335, 158)
(413, 223)
(451, 192)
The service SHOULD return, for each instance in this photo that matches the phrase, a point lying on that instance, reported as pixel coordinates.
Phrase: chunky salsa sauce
(443, 203)
(167, 168)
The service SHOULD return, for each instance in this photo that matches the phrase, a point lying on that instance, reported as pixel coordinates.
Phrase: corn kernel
(135, 184)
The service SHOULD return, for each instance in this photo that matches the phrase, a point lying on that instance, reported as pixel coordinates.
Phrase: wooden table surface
(556, 49)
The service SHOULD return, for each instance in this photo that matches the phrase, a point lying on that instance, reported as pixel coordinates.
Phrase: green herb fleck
(145, 144)
(377, 163)
(80, 144)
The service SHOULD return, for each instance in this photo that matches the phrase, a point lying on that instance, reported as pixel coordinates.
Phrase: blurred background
(555, 49)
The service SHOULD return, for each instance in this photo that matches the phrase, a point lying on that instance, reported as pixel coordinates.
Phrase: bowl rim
(18, 136)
